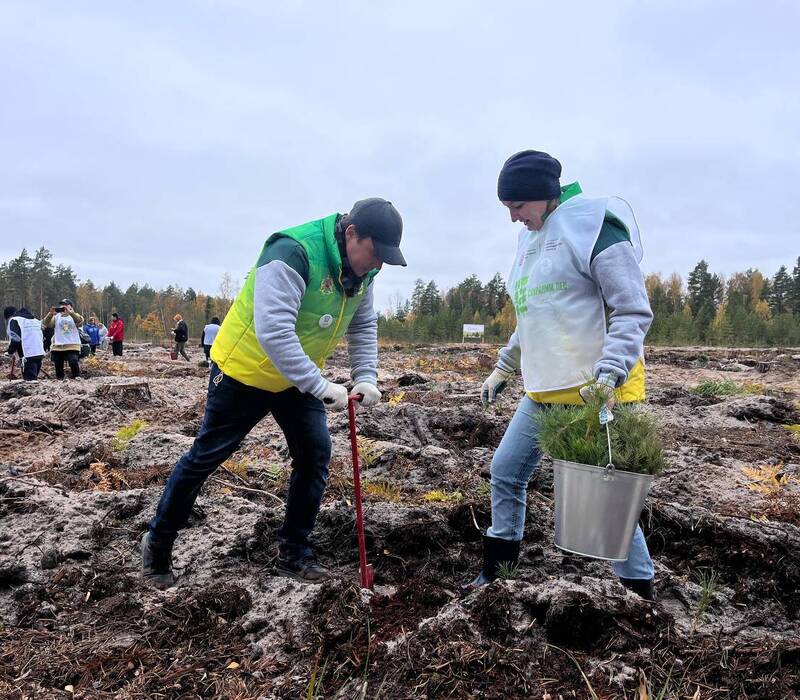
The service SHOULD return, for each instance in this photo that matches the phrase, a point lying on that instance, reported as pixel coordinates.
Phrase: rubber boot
(496, 552)
(642, 587)
(157, 564)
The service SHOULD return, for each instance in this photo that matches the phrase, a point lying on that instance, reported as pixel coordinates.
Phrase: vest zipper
(338, 320)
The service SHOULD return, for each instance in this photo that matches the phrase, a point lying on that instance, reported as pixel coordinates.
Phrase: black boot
(642, 587)
(157, 563)
(304, 568)
(496, 553)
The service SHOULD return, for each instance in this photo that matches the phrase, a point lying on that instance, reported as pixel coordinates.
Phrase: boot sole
(159, 584)
(287, 573)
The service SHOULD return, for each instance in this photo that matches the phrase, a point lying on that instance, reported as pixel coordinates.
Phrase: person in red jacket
(116, 334)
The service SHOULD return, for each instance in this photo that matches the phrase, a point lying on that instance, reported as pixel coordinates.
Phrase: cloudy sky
(161, 142)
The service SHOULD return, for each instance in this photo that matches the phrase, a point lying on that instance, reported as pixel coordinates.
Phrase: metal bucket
(597, 509)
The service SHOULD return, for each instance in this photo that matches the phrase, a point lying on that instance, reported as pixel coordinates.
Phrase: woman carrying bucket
(575, 257)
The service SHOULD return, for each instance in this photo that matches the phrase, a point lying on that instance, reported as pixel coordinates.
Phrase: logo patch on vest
(327, 286)
(326, 320)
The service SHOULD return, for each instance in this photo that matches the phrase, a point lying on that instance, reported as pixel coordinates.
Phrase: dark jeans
(232, 410)
(71, 356)
(116, 348)
(207, 351)
(93, 349)
(179, 349)
(31, 368)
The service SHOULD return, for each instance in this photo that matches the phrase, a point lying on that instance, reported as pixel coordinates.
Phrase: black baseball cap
(378, 219)
(66, 302)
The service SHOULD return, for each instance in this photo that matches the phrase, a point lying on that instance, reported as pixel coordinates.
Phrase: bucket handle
(609, 473)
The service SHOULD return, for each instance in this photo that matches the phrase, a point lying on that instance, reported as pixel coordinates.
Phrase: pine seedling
(574, 434)
(125, 434)
(508, 570)
(708, 581)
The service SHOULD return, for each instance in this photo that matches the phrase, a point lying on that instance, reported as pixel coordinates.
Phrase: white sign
(473, 331)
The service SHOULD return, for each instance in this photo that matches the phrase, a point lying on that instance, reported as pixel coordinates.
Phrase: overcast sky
(162, 142)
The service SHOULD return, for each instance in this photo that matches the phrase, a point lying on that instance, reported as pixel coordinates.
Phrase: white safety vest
(32, 339)
(210, 333)
(66, 330)
(561, 320)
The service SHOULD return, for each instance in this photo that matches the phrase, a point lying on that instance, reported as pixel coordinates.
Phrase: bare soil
(722, 522)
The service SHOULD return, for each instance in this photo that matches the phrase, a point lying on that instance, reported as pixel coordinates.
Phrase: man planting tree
(311, 285)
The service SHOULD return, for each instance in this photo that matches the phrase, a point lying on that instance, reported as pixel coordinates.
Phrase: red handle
(364, 571)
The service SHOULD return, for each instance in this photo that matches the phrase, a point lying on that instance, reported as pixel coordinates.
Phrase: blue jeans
(514, 463)
(232, 410)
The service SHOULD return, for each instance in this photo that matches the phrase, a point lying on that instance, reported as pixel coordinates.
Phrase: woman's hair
(9, 311)
(215, 319)
(115, 315)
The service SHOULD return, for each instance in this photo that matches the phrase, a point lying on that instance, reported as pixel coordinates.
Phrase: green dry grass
(717, 387)
(574, 433)
(383, 490)
(442, 497)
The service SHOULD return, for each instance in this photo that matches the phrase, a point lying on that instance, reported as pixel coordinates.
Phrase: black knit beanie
(529, 176)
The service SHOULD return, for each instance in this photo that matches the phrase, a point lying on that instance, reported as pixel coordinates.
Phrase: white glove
(604, 387)
(494, 384)
(334, 396)
(368, 391)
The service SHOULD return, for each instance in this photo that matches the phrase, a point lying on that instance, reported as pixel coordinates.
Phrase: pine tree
(705, 295)
(780, 292)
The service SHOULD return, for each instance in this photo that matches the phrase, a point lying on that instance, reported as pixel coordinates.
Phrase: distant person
(14, 349)
(181, 333)
(29, 329)
(93, 331)
(14, 341)
(47, 334)
(66, 345)
(116, 334)
(575, 259)
(103, 335)
(209, 335)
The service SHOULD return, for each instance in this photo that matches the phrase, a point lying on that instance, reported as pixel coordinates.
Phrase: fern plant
(574, 434)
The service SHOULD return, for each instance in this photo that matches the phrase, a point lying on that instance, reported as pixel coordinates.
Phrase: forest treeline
(37, 283)
(745, 308)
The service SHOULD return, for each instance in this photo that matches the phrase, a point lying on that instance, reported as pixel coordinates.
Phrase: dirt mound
(83, 464)
(763, 408)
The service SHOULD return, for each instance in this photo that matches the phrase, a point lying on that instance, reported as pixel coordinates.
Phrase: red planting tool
(366, 573)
